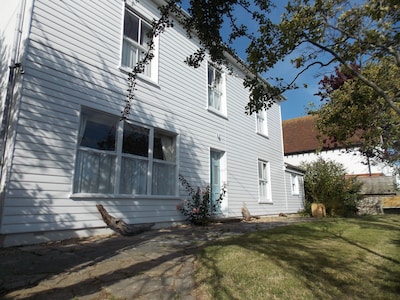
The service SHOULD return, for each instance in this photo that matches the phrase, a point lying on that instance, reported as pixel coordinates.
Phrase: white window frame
(213, 89)
(151, 71)
(295, 184)
(262, 122)
(264, 182)
(119, 155)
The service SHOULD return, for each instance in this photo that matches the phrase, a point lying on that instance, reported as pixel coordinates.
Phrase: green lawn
(355, 258)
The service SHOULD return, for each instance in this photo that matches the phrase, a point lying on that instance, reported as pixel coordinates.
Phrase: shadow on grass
(326, 262)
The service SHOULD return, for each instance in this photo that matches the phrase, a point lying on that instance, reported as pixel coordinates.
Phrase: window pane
(135, 140)
(129, 54)
(164, 147)
(95, 173)
(147, 68)
(164, 179)
(210, 97)
(214, 88)
(217, 100)
(262, 187)
(131, 26)
(133, 176)
(260, 170)
(144, 39)
(210, 75)
(98, 132)
(217, 81)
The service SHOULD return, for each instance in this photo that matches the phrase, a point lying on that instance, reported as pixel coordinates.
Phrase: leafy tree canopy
(355, 112)
(340, 31)
(325, 182)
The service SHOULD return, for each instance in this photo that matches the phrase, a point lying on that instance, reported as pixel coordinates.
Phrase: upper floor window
(135, 41)
(264, 182)
(116, 157)
(262, 122)
(216, 87)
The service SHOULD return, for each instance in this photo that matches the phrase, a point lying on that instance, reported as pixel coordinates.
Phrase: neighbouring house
(302, 144)
(66, 149)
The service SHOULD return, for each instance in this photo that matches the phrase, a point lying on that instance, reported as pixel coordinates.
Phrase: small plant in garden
(199, 208)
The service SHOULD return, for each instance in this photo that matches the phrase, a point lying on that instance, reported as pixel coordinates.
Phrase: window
(216, 97)
(135, 41)
(295, 184)
(262, 126)
(143, 163)
(264, 181)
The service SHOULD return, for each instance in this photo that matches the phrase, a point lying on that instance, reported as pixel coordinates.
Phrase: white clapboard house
(65, 148)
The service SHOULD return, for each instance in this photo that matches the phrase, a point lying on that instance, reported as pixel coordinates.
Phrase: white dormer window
(216, 90)
(135, 41)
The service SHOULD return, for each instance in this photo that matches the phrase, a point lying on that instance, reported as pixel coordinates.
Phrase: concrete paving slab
(158, 264)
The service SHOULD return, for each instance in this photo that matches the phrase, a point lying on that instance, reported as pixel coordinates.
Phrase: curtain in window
(261, 122)
(263, 189)
(164, 173)
(133, 176)
(217, 90)
(168, 148)
(214, 87)
(129, 54)
(82, 127)
(95, 173)
(164, 179)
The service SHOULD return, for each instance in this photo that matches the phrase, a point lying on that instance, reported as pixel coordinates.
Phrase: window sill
(89, 196)
(217, 112)
(141, 77)
(263, 135)
(265, 201)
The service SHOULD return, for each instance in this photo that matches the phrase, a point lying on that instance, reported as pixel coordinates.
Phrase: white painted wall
(294, 201)
(72, 60)
(354, 163)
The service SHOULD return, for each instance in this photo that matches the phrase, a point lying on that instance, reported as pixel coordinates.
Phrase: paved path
(158, 264)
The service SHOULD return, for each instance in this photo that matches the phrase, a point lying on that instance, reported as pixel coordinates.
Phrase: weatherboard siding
(295, 202)
(72, 61)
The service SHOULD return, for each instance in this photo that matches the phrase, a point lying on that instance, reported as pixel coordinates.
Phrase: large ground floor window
(119, 157)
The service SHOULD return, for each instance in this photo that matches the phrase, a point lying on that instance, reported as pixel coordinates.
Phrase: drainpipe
(284, 182)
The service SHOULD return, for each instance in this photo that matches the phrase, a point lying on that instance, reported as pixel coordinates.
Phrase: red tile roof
(301, 136)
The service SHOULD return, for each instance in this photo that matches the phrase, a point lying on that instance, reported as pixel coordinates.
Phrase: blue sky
(296, 100)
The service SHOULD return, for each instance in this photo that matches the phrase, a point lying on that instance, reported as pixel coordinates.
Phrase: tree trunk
(246, 214)
(120, 226)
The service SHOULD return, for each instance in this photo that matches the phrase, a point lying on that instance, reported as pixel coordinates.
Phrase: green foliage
(356, 113)
(342, 31)
(310, 33)
(325, 182)
(199, 208)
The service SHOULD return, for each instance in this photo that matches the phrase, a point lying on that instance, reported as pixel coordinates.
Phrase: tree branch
(309, 66)
(365, 80)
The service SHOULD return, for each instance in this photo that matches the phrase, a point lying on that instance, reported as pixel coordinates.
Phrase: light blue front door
(215, 176)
